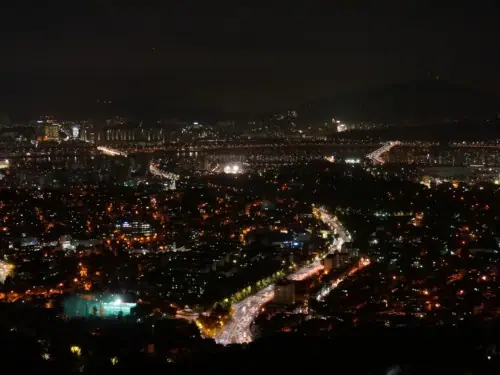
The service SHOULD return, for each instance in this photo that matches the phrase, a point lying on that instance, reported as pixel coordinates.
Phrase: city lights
(238, 328)
(111, 152)
(376, 156)
(4, 164)
(5, 270)
(233, 169)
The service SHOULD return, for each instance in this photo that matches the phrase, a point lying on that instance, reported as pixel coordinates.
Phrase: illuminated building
(233, 169)
(51, 132)
(65, 242)
(75, 131)
(4, 164)
(124, 134)
(104, 306)
(134, 227)
(30, 244)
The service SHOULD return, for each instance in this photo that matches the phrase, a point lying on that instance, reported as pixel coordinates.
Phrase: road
(154, 168)
(237, 330)
(363, 262)
(5, 270)
(376, 156)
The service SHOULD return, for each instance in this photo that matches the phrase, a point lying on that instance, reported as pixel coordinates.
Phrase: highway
(363, 262)
(376, 156)
(155, 170)
(237, 330)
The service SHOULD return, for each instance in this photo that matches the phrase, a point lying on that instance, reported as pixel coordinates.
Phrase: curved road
(237, 330)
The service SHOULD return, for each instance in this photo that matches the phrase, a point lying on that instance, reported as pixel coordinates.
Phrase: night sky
(228, 58)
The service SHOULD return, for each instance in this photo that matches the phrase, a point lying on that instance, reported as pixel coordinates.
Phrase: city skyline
(231, 189)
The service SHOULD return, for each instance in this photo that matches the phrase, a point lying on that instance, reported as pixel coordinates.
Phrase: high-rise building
(51, 132)
(75, 131)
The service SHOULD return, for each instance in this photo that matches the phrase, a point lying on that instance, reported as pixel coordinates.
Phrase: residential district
(196, 247)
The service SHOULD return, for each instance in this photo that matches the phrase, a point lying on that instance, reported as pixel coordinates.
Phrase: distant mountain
(444, 132)
(412, 103)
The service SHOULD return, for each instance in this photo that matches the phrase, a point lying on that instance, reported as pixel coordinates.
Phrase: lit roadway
(155, 170)
(376, 156)
(363, 262)
(5, 270)
(237, 330)
(111, 151)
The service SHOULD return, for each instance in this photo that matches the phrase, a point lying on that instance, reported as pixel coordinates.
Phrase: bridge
(226, 146)
(111, 151)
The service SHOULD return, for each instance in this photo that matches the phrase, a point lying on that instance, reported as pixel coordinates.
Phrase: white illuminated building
(233, 169)
(4, 164)
(75, 131)
(66, 242)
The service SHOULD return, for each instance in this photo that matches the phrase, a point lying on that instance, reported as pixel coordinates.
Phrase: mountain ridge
(407, 103)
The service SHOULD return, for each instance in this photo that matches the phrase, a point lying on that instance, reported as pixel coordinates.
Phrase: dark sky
(226, 57)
